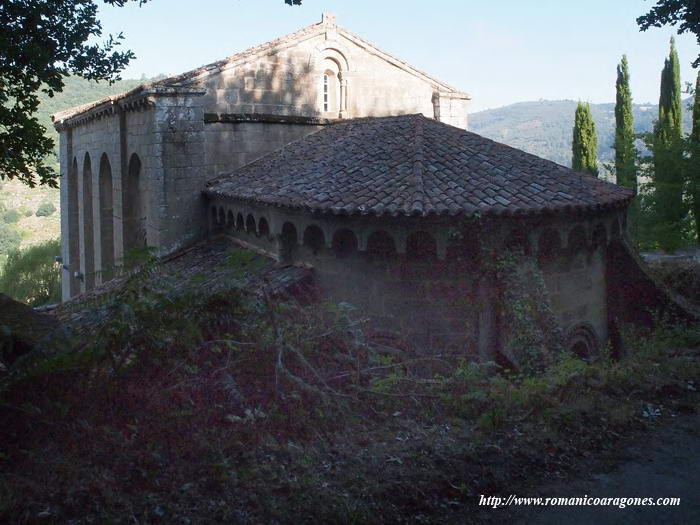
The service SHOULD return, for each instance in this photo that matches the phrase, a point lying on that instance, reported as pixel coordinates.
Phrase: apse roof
(411, 165)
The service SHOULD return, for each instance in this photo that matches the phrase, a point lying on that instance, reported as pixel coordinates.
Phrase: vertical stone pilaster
(343, 95)
(451, 108)
(178, 175)
(66, 158)
(119, 174)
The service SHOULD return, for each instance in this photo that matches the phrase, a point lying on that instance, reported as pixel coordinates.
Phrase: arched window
(549, 246)
(73, 228)
(263, 228)
(288, 243)
(380, 245)
(330, 87)
(314, 238)
(577, 239)
(421, 246)
(599, 236)
(106, 220)
(344, 243)
(230, 221)
(240, 223)
(88, 230)
(615, 232)
(250, 223)
(222, 218)
(517, 241)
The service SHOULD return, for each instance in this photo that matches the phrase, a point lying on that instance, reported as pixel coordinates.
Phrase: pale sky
(499, 51)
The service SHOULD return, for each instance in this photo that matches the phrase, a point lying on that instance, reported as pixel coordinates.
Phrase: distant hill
(544, 127)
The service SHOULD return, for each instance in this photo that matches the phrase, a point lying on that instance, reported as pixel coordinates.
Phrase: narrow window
(325, 92)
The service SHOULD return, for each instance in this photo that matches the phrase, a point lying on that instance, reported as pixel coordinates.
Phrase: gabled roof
(415, 166)
(186, 79)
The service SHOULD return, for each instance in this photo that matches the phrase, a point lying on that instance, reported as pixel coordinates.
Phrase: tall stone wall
(429, 304)
(178, 172)
(577, 290)
(289, 82)
(154, 150)
(231, 145)
(83, 147)
(447, 298)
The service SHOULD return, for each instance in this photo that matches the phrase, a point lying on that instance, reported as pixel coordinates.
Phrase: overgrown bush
(180, 404)
(683, 276)
(10, 216)
(32, 275)
(45, 209)
(10, 238)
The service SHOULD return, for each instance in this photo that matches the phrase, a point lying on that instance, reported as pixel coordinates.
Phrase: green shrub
(32, 275)
(45, 209)
(9, 238)
(27, 213)
(10, 216)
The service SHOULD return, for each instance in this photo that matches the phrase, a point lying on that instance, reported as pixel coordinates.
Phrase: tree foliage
(10, 238)
(693, 170)
(32, 275)
(625, 151)
(673, 12)
(668, 151)
(41, 43)
(585, 142)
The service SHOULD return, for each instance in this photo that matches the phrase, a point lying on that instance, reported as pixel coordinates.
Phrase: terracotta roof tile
(418, 166)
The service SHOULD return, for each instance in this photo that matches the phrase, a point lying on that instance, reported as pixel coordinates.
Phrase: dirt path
(665, 463)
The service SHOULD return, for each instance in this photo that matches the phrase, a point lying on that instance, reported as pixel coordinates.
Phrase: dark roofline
(496, 211)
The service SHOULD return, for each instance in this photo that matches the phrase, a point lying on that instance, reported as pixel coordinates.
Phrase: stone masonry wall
(94, 138)
(441, 301)
(231, 145)
(289, 82)
(178, 172)
(578, 291)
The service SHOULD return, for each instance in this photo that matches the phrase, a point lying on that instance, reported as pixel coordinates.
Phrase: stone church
(133, 166)
(320, 149)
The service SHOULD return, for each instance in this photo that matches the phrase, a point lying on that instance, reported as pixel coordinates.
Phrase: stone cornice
(139, 98)
(210, 118)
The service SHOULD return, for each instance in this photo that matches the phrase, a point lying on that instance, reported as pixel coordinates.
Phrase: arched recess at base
(73, 210)
(134, 207)
(88, 228)
(106, 220)
(582, 341)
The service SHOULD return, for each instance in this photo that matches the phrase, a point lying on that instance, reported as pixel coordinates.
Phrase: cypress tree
(670, 103)
(625, 151)
(668, 157)
(694, 159)
(585, 142)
